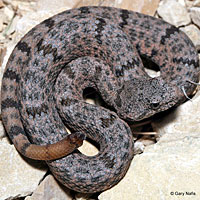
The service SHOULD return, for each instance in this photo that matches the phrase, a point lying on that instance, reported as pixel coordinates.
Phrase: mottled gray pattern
(97, 47)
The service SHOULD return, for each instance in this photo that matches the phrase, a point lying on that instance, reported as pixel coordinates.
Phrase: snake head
(141, 98)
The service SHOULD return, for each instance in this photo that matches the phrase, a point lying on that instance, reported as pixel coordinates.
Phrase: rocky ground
(167, 164)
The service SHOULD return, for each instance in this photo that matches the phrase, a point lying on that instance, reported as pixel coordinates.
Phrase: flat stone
(2, 131)
(169, 166)
(193, 33)
(49, 188)
(173, 12)
(3, 17)
(195, 15)
(143, 6)
(1, 4)
(192, 3)
(96, 3)
(138, 147)
(2, 53)
(18, 177)
(182, 2)
(88, 149)
(9, 13)
(6, 51)
(12, 26)
(1, 24)
(196, 3)
(146, 140)
(56, 6)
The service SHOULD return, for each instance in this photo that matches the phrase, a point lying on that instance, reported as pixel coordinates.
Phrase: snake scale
(100, 48)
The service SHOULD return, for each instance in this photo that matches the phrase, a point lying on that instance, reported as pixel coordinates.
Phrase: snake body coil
(98, 47)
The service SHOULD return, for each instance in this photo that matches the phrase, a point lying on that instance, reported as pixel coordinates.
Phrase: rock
(171, 165)
(18, 177)
(185, 119)
(1, 4)
(1, 24)
(174, 13)
(88, 149)
(196, 3)
(193, 33)
(56, 6)
(144, 6)
(4, 58)
(138, 147)
(9, 13)
(195, 15)
(23, 7)
(147, 140)
(152, 73)
(12, 27)
(2, 54)
(96, 3)
(2, 131)
(192, 3)
(182, 2)
(3, 16)
(49, 188)
(90, 101)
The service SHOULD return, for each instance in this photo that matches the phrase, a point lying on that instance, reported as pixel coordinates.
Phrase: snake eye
(154, 105)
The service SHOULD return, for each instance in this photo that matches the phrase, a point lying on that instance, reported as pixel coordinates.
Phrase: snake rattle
(98, 47)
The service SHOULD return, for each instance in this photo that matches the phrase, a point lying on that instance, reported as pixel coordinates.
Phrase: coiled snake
(98, 47)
